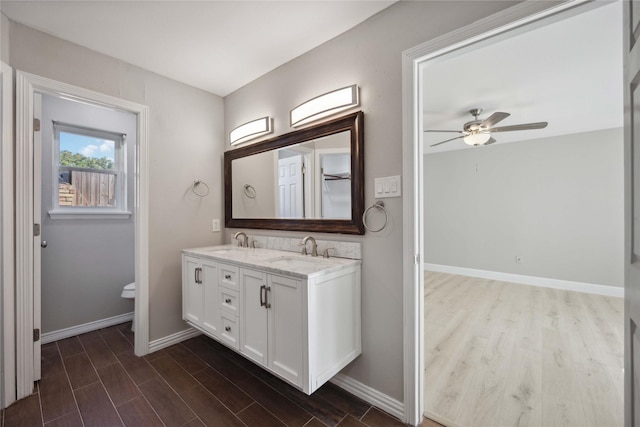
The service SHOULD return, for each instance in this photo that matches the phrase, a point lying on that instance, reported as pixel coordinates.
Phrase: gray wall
(369, 55)
(4, 38)
(259, 171)
(557, 202)
(185, 144)
(87, 261)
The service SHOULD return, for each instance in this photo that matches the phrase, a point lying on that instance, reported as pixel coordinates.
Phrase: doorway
(28, 239)
(87, 227)
(414, 62)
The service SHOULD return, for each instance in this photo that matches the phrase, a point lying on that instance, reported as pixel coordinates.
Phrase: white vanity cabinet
(200, 294)
(300, 323)
(271, 330)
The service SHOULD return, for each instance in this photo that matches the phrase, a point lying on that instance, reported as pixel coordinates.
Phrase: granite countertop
(274, 261)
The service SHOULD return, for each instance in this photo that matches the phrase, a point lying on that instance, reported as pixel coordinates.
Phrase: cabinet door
(211, 311)
(253, 312)
(285, 327)
(192, 290)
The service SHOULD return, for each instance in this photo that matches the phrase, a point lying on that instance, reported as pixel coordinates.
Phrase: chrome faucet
(314, 246)
(242, 238)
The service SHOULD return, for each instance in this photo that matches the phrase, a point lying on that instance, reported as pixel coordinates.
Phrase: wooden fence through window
(92, 189)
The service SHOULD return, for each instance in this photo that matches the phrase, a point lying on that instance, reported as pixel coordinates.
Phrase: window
(89, 168)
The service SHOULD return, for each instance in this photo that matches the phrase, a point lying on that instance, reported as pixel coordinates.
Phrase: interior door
(38, 242)
(290, 187)
(631, 33)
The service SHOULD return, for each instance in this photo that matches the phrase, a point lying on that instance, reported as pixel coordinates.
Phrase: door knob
(43, 244)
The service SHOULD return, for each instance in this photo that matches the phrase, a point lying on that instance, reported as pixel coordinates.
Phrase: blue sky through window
(87, 146)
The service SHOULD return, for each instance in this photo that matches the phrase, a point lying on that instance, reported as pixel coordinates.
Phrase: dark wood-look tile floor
(96, 380)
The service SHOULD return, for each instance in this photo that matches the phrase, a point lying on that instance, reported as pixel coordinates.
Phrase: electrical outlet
(518, 259)
(215, 225)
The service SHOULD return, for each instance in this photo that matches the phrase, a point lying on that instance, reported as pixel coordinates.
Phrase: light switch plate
(389, 186)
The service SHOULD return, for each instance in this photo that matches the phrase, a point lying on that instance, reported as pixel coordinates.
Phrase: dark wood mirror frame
(352, 122)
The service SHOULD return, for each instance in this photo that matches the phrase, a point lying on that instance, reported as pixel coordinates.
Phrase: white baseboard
(172, 339)
(86, 327)
(370, 395)
(567, 285)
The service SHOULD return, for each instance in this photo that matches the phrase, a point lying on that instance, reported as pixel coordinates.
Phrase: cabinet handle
(227, 276)
(267, 304)
(262, 295)
(197, 277)
(227, 328)
(228, 300)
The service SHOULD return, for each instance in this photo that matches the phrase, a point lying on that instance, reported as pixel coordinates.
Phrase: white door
(192, 291)
(290, 187)
(38, 243)
(631, 33)
(285, 328)
(253, 309)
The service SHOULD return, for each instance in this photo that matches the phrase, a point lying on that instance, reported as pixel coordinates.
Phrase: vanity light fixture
(324, 105)
(250, 130)
(479, 138)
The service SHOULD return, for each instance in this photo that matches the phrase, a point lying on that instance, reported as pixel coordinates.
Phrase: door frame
(413, 61)
(26, 85)
(8, 383)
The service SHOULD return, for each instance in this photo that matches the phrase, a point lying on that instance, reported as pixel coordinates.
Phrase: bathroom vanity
(296, 316)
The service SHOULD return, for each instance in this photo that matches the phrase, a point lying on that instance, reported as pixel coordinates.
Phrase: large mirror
(307, 180)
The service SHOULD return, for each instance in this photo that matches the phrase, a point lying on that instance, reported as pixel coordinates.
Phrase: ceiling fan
(478, 132)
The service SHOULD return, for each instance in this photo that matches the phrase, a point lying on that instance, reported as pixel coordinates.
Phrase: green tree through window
(67, 158)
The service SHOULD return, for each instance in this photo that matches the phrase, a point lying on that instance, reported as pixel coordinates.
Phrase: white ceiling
(568, 73)
(217, 46)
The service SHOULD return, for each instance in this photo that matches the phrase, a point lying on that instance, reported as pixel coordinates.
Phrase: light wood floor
(503, 354)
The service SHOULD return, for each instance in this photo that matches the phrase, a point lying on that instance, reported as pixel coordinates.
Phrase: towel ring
(379, 205)
(195, 184)
(249, 191)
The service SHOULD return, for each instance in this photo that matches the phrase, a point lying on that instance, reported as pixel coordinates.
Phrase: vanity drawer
(229, 276)
(229, 301)
(229, 333)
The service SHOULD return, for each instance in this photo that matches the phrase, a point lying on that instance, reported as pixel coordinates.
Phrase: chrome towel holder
(249, 191)
(195, 184)
(378, 205)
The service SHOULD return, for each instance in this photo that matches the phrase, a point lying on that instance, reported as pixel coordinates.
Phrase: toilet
(129, 292)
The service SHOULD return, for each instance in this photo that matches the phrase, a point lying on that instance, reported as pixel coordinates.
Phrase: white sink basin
(295, 261)
(229, 251)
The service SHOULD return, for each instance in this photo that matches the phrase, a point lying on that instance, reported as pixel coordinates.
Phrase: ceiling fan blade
(447, 140)
(524, 126)
(432, 130)
(490, 141)
(493, 119)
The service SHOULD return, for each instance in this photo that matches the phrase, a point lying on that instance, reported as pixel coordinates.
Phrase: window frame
(119, 210)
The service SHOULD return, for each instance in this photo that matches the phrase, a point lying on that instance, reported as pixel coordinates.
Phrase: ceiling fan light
(477, 138)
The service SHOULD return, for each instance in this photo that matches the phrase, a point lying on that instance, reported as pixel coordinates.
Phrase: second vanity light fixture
(324, 105)
(250, 130)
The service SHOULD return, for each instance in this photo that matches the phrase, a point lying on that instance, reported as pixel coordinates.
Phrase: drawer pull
(227, 328)
(227, 276)
(267, 304)
(263, 289)
(228, 300)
